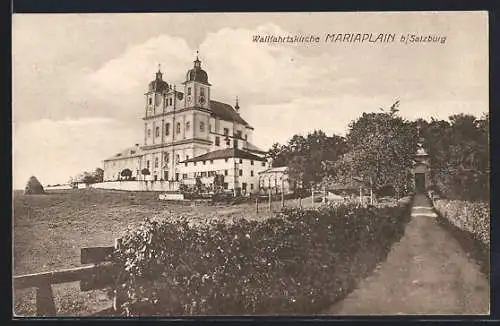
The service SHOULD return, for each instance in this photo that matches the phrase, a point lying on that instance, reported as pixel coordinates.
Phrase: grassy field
(50, 229)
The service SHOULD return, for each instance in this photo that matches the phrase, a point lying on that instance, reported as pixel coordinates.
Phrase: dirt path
(427, 272)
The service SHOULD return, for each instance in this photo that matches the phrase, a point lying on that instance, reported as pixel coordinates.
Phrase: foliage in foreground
(300, 261)
(470, 216)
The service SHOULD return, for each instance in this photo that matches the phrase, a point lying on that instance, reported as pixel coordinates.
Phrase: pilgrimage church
(187, 134)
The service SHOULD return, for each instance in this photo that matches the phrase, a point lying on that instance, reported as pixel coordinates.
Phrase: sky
(79, 79)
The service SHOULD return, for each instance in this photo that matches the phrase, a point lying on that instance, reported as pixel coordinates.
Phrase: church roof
(126, 153)
(252, 148)
(225, 153)
(279, 169)
(226, 112)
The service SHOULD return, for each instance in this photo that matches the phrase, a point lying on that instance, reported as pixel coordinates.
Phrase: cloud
(55, 150)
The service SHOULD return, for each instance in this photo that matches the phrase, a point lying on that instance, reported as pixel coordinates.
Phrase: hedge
(300, 261)
(470, 216)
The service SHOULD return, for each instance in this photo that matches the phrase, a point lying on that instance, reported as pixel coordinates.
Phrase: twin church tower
(182, 124)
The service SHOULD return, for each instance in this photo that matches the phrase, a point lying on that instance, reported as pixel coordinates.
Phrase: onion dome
(197, 74)
(158, 84)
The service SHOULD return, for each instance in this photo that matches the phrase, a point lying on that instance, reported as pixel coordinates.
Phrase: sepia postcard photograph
(256, 164)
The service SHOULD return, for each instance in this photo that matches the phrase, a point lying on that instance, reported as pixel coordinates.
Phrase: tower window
(188, 124)
(178, 127)
(166, 158)
(170, 101)
(149, 133)
(202, 91)
(251, 173)
(157, 132)
(241, 173)
(147, 164)
(150, 100)
(189, 90)
(167, 129)
(202, 126)
(217, 141)
(156, 162)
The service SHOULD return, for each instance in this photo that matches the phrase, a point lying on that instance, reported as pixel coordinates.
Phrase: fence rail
(97, 273)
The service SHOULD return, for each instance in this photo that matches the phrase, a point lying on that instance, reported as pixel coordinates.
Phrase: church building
(187, 134)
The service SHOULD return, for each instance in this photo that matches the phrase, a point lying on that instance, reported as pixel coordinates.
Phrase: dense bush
(299, 261)
(470, 216)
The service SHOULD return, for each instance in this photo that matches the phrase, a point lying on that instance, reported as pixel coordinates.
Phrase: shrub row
(300, 261)
(470, 216)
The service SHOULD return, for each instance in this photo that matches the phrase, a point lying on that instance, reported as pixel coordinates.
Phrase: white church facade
(187, 135)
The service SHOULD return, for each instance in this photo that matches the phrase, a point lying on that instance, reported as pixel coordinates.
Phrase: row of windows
(178, 129)
(202, 91)
(213, 173)
(225, 160)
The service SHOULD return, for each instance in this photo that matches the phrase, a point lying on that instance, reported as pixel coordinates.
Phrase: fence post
(117, 298)
(270, 195)
(257, 202)
(45, 300)
(312, 196)
(282, 193)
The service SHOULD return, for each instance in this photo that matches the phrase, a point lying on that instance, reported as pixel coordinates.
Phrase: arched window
(202, 126)
(167, 129)
(156, 162)
(188, 124)
(178, 127)
(157, 132)
(166, 158)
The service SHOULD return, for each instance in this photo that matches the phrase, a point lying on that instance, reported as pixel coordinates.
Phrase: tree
(306, 157)
(126, 173)
(381, 147)
(33, 186)
(98, 175)
(459, 154)
(88, 178)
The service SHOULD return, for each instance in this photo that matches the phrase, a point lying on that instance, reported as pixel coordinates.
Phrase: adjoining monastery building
(189, 135)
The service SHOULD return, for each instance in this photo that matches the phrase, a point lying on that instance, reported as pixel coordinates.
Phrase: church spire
(197, 62)
(237, 106)
(159, 74)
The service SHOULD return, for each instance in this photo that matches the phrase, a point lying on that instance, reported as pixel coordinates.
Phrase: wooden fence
(98, 272)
